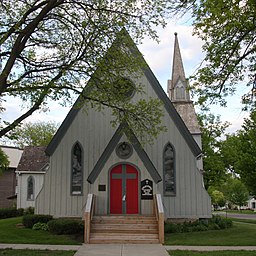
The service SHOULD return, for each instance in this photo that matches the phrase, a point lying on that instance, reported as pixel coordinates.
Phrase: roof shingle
(33, 159)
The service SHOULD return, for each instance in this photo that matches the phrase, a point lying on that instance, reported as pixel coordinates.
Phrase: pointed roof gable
(111, 147)
(160, 93)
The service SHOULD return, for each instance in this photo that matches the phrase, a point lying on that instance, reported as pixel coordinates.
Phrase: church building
(90, 157)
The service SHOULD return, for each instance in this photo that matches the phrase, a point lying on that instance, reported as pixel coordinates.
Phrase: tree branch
(21, 41)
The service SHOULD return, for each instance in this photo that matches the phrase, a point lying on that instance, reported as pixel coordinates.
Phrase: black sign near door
(146, 189)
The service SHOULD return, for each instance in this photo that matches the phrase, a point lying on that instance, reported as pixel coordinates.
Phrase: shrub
(40, 226)
(200, 227)
(29, 220)
(66, 226)
(20, 212)
(221, 222)
(30, 210)
(172, 228)
(213, 226)
(215, 223)
(10, 212)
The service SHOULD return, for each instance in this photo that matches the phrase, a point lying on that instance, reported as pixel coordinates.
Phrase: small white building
(30, 175)
(252, 203)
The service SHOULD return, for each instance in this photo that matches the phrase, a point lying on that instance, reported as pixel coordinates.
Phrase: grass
(250, 221)
(241, 234)
(237, 211)
(215, 253)
(11, 252)
(12, 232)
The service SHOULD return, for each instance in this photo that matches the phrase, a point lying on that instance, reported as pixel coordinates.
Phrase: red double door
(124, 190)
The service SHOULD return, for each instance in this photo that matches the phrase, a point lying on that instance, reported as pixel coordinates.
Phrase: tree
(230, 152)
(228, 31)
(247, 151)
(237, 192)
(239, 151)
(4, 162)
(51, 48)
(33, 134)
(217, 197)
(212, 129)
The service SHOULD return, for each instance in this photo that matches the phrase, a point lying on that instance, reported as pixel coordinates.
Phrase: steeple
(178, 86)
(178, 91)
(177, 66)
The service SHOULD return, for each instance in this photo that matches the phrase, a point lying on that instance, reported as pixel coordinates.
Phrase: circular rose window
(124, 87)
(124, 150)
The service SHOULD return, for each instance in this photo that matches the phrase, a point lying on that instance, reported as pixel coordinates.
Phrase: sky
(159, 58)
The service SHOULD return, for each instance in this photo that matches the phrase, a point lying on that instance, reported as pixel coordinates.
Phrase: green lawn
(11, 232)
(11, 252)
(236, 211)
(241, 234)
(215, 253)
(242, 211)
(244, 220)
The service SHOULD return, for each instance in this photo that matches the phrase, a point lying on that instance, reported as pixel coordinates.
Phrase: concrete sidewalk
(122, 250)
(98, 249)
(209, 248)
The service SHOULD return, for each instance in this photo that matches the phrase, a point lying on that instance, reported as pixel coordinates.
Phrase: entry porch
(128, 228)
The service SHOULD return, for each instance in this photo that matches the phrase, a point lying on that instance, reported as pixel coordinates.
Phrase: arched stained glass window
(169, 171)
(30, 188)
(77, 170)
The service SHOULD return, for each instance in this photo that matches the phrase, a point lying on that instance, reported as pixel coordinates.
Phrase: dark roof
(161, 94)
(33, 159)
(110, 148)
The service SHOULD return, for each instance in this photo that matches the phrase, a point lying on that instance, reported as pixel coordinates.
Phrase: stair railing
(159, 212)
(89, 211)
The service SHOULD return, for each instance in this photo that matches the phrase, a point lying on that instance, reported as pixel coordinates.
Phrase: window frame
(165, 192)
(31, 196)
(72, 191)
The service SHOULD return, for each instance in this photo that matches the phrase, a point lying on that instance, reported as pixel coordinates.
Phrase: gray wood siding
(191, 200)
(93, 134)
(94, 131)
